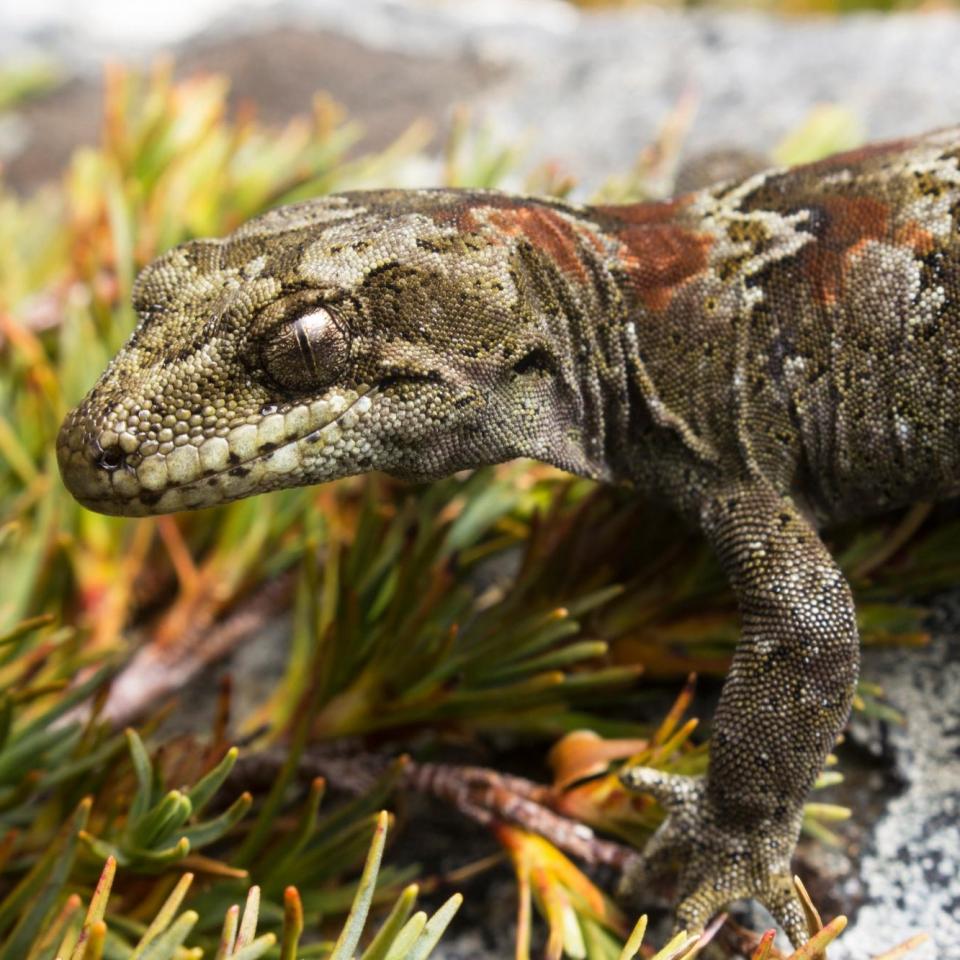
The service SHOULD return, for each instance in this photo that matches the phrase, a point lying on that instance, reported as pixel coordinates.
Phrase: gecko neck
(608, 312)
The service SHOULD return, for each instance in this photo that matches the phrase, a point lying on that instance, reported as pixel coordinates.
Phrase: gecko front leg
(785, 700)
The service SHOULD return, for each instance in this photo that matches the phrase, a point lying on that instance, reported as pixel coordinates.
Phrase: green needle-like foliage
(390, 624)
(162, 828)
(71, 935)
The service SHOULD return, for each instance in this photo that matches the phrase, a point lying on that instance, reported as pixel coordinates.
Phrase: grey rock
(590, 90)
(911, 868)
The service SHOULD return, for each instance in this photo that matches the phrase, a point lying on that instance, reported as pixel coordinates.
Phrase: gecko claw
(716, 861)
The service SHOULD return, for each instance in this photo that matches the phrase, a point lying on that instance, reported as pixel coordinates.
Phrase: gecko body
(766, 356)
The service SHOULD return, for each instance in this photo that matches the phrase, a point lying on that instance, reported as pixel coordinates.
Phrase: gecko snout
(86, 462)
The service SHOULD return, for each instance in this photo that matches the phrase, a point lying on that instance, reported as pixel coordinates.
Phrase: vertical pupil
(306, 346)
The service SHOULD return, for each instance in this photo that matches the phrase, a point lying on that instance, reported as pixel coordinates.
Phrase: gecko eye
(308, 352)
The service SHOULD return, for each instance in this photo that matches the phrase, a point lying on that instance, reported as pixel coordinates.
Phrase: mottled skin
(766, 356)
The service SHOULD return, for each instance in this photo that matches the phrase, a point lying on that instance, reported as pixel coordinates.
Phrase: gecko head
(392, 330)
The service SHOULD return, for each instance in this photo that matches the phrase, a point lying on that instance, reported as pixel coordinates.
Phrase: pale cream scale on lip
(278, 445)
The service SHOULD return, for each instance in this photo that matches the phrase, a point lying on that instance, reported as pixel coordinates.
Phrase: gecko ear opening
(535, 361)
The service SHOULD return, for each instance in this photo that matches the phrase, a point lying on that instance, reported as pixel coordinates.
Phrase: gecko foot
(720, 857)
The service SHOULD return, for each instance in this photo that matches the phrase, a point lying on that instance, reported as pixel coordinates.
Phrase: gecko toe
(672, 791)
(785, 907)
(716, 863)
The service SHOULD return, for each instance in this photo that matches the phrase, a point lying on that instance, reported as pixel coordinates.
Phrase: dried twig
(484, 795)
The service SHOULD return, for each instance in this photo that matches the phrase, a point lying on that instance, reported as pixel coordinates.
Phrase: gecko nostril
(109, 458)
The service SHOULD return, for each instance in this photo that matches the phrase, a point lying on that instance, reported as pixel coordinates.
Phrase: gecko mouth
(308, 443)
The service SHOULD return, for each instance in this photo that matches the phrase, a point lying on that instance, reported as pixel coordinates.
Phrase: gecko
(766, 356)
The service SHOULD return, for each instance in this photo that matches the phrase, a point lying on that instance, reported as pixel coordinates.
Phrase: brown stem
(484, 795)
